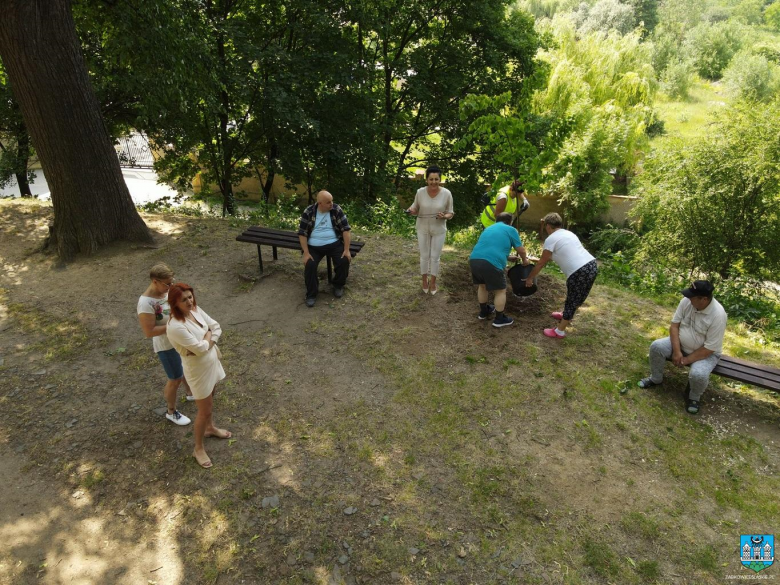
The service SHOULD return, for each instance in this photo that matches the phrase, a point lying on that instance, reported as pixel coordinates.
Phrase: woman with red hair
(194, 335)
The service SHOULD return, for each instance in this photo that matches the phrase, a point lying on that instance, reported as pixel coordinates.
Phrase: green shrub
(712, 206)
(711, 47)
(613, 239)
(677, 78)
(748, 12)
(606, 16)
(768, 50)
(752, 77)
(772, 16)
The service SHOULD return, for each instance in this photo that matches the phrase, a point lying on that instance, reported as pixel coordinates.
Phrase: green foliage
(713, 206)
(752, 77)
(666, 49)
(768, 50)
(645, 14)
(605, 16)
(501, 135)
(677, 78)
(711, 47)
(611, 239)
(546, 8)
(342, 96)
(772, 16)
(600, 93)
(749, 12)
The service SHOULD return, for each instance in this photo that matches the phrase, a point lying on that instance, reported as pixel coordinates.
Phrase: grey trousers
(698, 376)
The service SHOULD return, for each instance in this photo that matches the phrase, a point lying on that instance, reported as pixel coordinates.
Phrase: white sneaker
(190, 398)
(177, 418)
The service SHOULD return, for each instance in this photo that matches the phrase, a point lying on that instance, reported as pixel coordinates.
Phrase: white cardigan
(202, 367)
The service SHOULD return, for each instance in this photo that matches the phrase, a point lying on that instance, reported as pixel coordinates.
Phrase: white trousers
(430, 251)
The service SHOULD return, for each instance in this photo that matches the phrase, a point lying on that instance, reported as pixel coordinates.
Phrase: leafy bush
(772, 16)
(768, 50)
(752, 77)
(612, 239)
(713, 206)
(715, 14)
(602, 86)
(748, 12)
(606, 16)
(547, 8)
(666, 48)
(711, 46)
(677, 78)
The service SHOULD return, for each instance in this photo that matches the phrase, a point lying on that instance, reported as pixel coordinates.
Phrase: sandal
(205, 464)
(648, 383)
(693, 407)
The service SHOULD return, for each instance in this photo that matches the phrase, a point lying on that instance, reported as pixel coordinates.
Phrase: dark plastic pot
(517, 275)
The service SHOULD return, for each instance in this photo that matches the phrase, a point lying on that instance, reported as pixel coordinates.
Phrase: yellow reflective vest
(488, 214)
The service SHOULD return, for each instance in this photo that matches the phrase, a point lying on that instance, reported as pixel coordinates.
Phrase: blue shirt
(323, 232)
(495, 243)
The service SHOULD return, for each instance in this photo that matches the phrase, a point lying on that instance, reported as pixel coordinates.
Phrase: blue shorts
(171, 361)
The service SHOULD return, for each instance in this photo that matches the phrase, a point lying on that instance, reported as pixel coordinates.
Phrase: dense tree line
(345, 95)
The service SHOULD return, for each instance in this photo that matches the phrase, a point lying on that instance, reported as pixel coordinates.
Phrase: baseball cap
(699, 288)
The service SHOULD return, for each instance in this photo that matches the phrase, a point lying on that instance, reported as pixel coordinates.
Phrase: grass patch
(600, 557)
(57, 338)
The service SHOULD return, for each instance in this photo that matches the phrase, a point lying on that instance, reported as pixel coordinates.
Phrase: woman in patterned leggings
(565, 249)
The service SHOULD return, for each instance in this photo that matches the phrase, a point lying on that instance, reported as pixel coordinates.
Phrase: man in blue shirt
(488, 264)
(324, 231)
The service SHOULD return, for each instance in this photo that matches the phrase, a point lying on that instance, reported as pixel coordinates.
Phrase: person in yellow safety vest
(505, 201)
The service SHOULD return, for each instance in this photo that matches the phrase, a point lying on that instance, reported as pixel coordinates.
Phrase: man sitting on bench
(695, 340)
(324, 231)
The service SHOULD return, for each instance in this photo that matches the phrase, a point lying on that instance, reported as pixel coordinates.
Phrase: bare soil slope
(385, 437)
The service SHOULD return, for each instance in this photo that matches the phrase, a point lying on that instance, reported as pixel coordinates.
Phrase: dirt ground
(328, 478)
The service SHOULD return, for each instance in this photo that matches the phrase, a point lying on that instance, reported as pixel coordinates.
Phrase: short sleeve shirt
(162, 312)
(701, 328)
(495, 243)
(567, 251)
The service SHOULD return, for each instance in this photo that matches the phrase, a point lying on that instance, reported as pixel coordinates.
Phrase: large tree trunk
(41, 54)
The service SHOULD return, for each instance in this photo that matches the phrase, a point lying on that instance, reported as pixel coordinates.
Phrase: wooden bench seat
(274, 238)
(749, 373)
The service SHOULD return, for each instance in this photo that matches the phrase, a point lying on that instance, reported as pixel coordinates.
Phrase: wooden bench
(749, 373)
(283, 239)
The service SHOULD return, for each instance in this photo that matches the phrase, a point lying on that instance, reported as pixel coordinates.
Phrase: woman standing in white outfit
(194, 335)
(433, 207)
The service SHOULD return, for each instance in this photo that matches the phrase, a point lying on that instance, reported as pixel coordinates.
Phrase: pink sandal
(552, 333)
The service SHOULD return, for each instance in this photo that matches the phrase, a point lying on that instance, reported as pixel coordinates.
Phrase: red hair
(175, 293)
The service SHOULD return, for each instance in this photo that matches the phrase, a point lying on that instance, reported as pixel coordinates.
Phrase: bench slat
(747, 371)
(257, 238)
(726, 359)
(283, 235)
(268, 242)
(743, 371)
(748, 378)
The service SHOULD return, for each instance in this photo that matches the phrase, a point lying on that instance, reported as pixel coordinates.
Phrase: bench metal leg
(260, 258)
(330, 271)
(275, 256)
